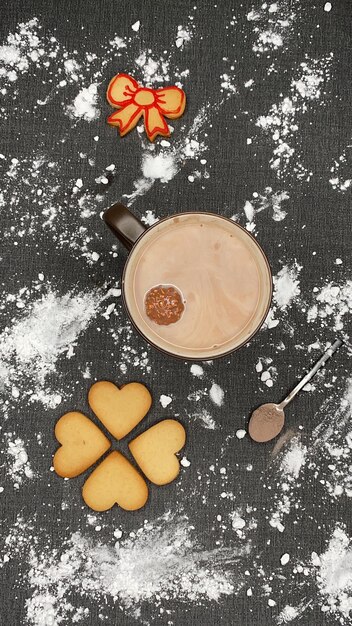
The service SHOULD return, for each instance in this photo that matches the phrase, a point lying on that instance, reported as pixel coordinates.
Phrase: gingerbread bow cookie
(133, 101)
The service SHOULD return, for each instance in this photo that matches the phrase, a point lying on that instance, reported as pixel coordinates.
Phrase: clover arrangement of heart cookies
(115, 480)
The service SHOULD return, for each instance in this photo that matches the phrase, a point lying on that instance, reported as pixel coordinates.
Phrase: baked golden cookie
(82, 444)
(115, 481)
(155, 451)
(120, 410)
(133, 101)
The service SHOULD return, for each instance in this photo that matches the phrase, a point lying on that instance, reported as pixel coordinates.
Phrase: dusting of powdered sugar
(85, 104)
(205, 418)
(282, 123)
(41, 332)
(286, 293)
(332, 306)
(37, 195)
(37, 201)
(341, 179)
(184, 35)
(154, 70)
(332, 443)
(165, 400)
(149, 218)
(290, 468)
(334, 576)
(266, 370)
(159, 564)
(197, 370)
(289, 613)
(286, 285)
(162, 164)
(294, 459)
(272, 25)
(216, 394)
(271, 200)
(18, 466)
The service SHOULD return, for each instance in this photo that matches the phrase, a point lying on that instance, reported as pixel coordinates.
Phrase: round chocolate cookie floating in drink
(164, 304)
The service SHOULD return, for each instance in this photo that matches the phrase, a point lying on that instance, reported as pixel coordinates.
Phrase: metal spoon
(267, 421)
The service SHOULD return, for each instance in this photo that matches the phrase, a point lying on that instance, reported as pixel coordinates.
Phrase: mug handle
(125, 226)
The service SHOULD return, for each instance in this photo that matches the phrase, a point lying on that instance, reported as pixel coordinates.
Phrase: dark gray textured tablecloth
(225, 48)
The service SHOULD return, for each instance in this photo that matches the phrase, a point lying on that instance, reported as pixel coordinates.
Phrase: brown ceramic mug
(219, 269)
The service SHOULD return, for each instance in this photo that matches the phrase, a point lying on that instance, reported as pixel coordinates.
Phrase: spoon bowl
(266, 422)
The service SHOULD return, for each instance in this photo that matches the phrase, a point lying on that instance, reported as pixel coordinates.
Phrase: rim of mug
(180, 356)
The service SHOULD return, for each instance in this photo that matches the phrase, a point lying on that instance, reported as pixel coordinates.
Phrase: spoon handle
(329, 352)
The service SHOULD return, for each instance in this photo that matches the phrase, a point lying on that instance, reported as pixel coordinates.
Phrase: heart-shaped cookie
(155, 451)
(82, 444)
(120, 410)
(115, 481)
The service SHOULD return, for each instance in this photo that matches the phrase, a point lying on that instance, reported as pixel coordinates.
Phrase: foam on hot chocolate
(221, 273)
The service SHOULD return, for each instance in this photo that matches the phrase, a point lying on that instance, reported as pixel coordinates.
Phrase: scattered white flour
(72, 68)
(333, 304)
(282, 124)
(85, 104)
(18, 465)
(149, 218)
(333, 442)
(165, 401)
(184, 35)
(272, 25)
(152, 70)
(285, 559)
(228, 84)
(268, 40)
(161, 166)
(269, 375)
(160, 564)
(164, 165)
(294, 459)
(197, 370)
(126, 356)
(205, 418)
(334, 577)
(341, 179)
(240, 433)
(136, 26)
(249, 211)
(9, 55)
(292, 462)
(286, 293)
(237, 522)
(23, 49)
(216, 394)
(286, 285)
(39, 200)
(288, 614)
(42, 333)
(271, 200)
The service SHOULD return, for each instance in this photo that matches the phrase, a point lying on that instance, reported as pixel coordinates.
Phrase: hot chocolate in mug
(196, 285)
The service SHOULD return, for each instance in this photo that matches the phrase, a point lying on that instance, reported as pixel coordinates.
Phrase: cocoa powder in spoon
(266, 422)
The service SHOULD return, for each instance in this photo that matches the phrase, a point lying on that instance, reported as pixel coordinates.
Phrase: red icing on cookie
(133, 101)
